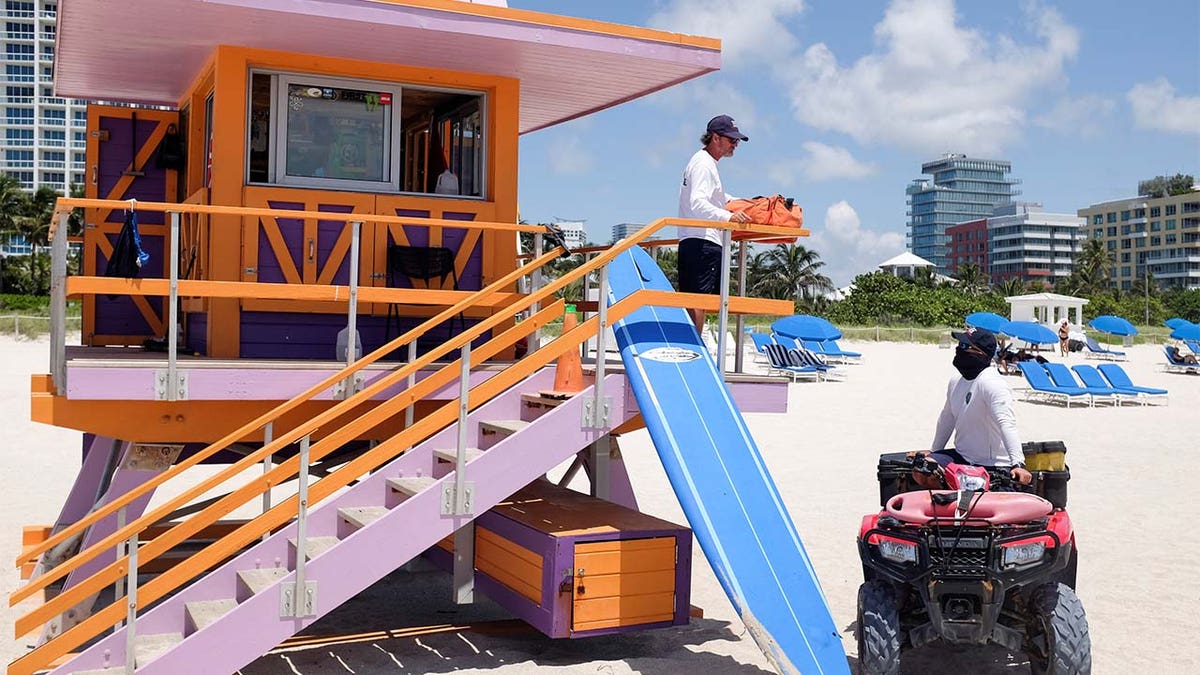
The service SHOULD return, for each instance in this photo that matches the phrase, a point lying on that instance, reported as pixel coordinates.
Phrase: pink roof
(150, 51)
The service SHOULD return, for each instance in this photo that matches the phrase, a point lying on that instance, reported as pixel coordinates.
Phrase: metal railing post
(131, 606)
(740, 334)
(58, 304)
(600, 406)
(303, 599)
(173, 313)
(461, 503)
(411, 382)
(723, 313)
(268, 464)
(535, 285)
(352, 310)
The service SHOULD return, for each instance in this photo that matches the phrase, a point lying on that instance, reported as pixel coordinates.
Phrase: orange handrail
(284, 511)
(277, 444)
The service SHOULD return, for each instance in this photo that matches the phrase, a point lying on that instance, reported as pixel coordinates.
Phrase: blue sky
(843, 101)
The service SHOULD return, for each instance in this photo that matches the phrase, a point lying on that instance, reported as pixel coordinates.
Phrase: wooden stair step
(146, 648)
(361, 516)
(101, 671)
(412, 485)
(202, 613)
(255, 581)
(541, 401)
(451, 454)
(505, 427)
(316, 545)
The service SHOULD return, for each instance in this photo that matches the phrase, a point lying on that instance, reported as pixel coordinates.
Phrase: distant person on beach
(1179, 357)
(703, 197)
(978, 412)
(1064, 338)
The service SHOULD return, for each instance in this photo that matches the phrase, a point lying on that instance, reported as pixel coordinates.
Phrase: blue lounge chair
(1193, 345)
(777, 362)
(1119, 379)
(801, 357)
(1178, 365)
(1096, 350)
(761, 340)
(1040, 385)
(831, 351)
(1061, 376)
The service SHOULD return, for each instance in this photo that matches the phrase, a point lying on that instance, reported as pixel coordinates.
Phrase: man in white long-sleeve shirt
(979, 411)
(702, 196)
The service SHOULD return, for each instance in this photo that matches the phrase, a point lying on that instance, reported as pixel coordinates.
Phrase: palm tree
(1010, 287)
(1092, 267)
(971, 279)
(795, 273)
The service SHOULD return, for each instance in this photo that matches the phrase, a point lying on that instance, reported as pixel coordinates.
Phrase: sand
(1133, 471)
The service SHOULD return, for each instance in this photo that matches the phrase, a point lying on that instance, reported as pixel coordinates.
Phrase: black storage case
(1052, 486)
(895, 475)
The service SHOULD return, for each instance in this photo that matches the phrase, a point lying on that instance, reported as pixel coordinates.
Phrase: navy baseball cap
(979, 337)
(723, 125)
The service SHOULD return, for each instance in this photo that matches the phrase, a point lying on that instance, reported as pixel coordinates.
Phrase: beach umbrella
(1113, 325)
(806, 327)
(1033, 333)
(1177, 322)
(989, 320)
(1189, 332)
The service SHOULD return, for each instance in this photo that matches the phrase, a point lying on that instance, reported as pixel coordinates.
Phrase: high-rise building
(1028, 244)
(622, 230)
(1158, 236)
(44, 136)
(963, 188)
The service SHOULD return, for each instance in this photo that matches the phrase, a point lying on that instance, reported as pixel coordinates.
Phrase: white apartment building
(44, 136)
(1025, 243)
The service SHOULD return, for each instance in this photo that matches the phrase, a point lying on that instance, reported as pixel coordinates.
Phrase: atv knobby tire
(1058, 633)
(878, 633)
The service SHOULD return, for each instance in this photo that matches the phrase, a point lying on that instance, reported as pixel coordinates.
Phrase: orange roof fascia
(557, 21)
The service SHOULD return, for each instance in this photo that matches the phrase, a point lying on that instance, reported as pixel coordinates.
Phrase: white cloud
(751, 31)
(847, 248)
(932, 84)
(1157, 106)
(566, 155)
(826, 162)
(1084, 115)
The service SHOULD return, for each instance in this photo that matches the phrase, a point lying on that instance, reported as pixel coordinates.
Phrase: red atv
(986, 560)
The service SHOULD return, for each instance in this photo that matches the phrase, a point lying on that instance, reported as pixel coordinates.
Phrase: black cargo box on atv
(895, 473)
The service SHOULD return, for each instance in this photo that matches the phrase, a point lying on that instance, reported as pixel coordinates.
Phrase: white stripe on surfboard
(729, 481)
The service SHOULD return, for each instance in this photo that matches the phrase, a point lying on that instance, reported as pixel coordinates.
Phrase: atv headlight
(1023, 554)
(898, 551)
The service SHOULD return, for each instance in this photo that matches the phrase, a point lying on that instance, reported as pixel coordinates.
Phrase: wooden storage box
(573, 566)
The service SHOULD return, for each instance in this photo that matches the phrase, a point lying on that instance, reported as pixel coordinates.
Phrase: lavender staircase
(233, 615)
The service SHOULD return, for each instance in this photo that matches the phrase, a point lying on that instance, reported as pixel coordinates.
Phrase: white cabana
(1048, 309)
(904, 265)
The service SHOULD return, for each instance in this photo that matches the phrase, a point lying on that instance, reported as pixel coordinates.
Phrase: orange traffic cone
(568, 371)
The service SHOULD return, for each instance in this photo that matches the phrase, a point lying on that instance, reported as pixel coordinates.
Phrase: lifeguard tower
(299, 171)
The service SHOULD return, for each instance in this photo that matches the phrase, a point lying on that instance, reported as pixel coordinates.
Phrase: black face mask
(970, 364)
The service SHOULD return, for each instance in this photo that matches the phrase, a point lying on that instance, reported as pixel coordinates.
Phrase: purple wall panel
(328, 232)
(292, 230)
(471, 277)
(196, 327)
(281, 335)
(118, 315)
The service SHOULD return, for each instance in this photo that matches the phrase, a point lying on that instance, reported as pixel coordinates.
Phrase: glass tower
(44, 136)
(963, 188)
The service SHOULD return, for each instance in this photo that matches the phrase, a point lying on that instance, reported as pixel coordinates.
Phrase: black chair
(418, 262)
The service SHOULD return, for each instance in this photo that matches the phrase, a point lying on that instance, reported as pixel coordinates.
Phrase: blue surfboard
(720, 479)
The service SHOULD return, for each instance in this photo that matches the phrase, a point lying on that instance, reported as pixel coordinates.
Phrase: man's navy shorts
(699, 266)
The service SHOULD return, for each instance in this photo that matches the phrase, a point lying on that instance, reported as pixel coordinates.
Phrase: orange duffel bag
(777, 211)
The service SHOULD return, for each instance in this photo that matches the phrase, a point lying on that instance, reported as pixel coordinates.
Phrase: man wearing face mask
(979, 412)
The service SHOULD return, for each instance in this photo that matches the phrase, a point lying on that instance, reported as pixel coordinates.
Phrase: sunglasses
(732, 141)
(965, 347)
